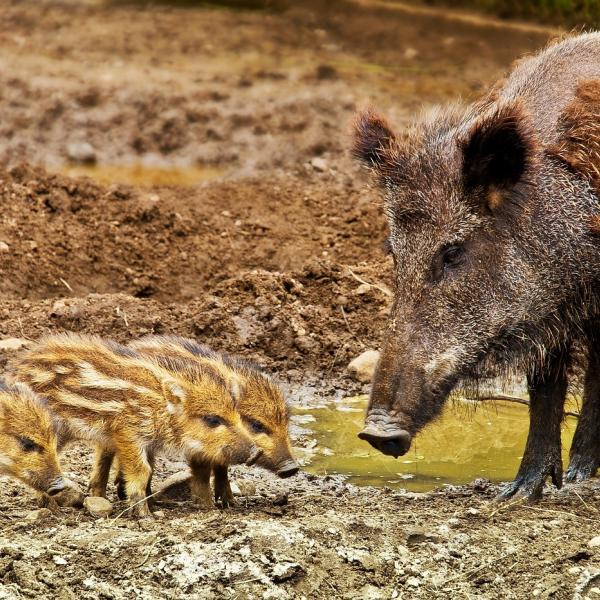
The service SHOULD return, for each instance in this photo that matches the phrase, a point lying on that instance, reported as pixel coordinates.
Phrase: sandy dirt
(278, 259)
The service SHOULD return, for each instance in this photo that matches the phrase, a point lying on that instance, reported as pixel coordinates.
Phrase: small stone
(362, 289)
(81, 152)
(12, 344)
(472, 511)
(286, 571)
(417, 536)
(594, 542)
(281, 500)
(226, 213)
(413, 582)
(59, 560)
(319, 164)
(159, 514)
(97, 506)
(411, 53)
(4, 247)
(39, 515)
(362, 367)
(245, 488)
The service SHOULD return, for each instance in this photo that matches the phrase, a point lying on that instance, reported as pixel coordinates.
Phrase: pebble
(594, 542)
(81, 152)
(97, 506)
(362, 367)
(4, 247)
(39, 515)
(319, 164)
(11, 344)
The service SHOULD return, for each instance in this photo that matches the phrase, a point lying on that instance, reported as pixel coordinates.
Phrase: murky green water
(465, 443)
(143, 176)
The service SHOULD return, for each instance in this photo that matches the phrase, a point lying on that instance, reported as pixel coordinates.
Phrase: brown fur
(132, 408)
(579, 144)
(260, 401)
(28, 439)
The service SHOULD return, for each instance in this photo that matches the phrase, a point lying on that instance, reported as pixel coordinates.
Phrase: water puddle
(464, 444)
(142, 176)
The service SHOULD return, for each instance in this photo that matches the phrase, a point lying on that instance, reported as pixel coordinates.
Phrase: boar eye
(28, 445)
(257, 426)
(448, 259)
(212, 420)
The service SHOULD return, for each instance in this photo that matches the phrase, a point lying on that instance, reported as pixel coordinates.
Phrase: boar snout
(56, 486)
(395, 442)
(288, 468)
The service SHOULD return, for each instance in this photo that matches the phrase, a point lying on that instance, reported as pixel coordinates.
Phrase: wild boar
(107, 394)
(28, 440)
(494, 223)
(259, 401)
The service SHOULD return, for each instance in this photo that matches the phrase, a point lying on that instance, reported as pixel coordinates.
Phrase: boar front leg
(547, 385)
(585, 450)
(200, 484)
(223, 493)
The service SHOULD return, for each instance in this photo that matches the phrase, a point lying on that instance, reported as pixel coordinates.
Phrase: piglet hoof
(581, 467)
(224, 498)
(203, 503)
(141, 511)
(530, 481)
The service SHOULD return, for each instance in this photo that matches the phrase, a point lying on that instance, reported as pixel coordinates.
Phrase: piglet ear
(174, 394)
(498, 149)
(373, 140)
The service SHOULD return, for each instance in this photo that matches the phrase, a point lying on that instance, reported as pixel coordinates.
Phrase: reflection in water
(462, 445)
(143, 176)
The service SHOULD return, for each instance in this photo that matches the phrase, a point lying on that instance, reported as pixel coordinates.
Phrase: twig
(21, 330)
(590, 508)
(345, 319)
(135, 504)
(516, 400)
(148, 553)
(507, 506)
(66, 284)
(473, 571)
(561, 512)
(379, 287)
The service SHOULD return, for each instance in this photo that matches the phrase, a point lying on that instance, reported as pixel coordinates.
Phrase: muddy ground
(279, 258)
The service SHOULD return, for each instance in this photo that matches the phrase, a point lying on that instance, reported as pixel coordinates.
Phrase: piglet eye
(212, 420)
(257, 426)
(27, 444)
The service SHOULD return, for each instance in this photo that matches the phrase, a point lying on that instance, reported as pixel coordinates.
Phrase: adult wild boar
(494, 228)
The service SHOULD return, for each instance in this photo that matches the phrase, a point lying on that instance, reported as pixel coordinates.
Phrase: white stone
(11, 344)
(97, 506)
(594, 542)
(362, 367)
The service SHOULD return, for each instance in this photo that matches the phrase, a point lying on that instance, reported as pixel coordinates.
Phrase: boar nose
(392, 443)
(254, 456)
(58, 485)
(287, 469)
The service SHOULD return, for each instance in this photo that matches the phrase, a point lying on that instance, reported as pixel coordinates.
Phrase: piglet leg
(137, 471)
(99, 478)
(200, 484)
(547, 385)
(223, 493)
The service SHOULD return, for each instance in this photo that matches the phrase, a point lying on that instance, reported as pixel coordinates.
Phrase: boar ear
(373, 140)
(174, 395)
(497, 152)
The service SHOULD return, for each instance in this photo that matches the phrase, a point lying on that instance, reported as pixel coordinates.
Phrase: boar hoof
(580, 468)
(203, 503)
(530, 481)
